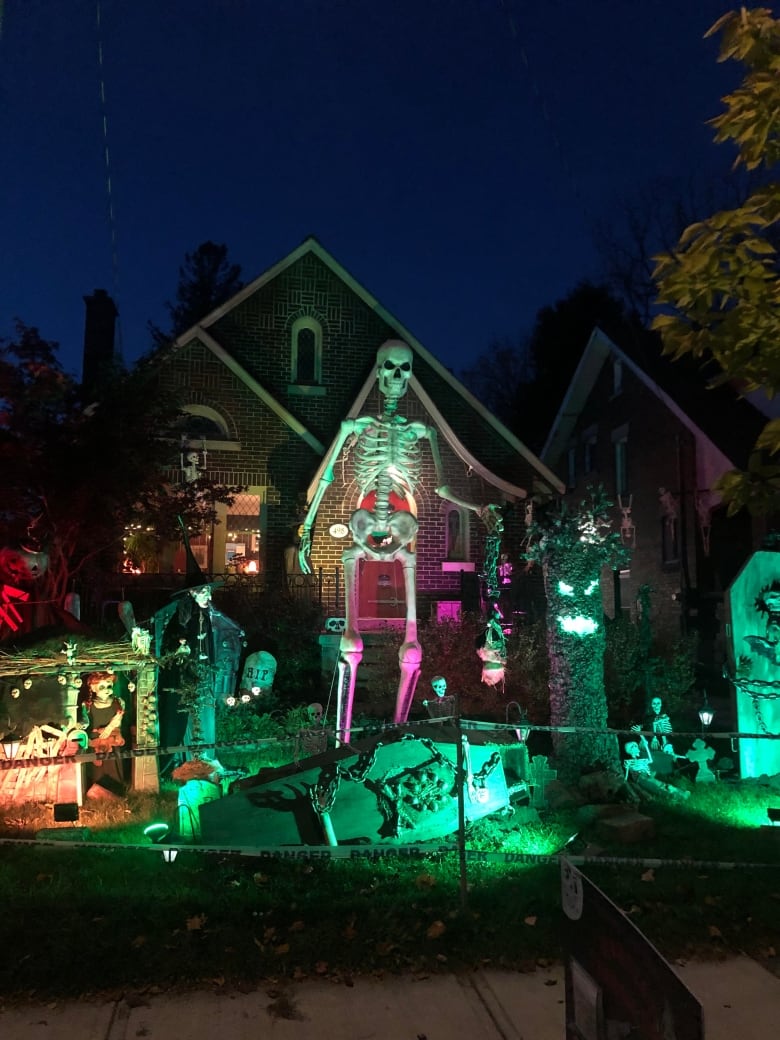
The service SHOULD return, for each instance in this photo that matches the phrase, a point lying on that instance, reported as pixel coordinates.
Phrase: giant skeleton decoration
(387, 470)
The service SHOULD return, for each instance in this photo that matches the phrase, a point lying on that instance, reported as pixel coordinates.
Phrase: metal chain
(748, 686)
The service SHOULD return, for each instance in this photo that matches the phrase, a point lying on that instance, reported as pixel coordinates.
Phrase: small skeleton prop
(704, 504)
(193, 462)
(668, 507)
(387, 466)
(627, 525)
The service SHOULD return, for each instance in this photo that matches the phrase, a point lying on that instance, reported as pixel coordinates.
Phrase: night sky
(453, 155)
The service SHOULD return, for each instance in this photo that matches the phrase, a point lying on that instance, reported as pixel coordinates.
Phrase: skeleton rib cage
(387, 459)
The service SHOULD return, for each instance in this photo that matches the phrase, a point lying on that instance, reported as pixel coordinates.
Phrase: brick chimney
(100, 356)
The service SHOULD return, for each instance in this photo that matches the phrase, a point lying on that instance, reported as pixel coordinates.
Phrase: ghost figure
(388, 470)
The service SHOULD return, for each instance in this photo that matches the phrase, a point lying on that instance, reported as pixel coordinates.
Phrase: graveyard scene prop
(753, 613)
(441, 705)
(48, 715)
(199, 650)
(640, 771)
(396, 788)
(388, 467)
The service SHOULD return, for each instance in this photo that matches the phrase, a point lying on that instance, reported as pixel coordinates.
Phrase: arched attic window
(201, 423)
(306, 352)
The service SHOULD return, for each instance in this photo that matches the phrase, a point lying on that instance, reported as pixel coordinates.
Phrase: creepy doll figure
(491, 650)
(103, 714)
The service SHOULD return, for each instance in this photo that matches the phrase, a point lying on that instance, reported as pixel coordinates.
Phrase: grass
(88, 920)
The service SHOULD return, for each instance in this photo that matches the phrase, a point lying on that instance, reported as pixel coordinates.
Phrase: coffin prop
(396, 788)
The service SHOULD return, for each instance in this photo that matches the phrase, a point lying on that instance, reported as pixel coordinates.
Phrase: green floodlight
(155, 832)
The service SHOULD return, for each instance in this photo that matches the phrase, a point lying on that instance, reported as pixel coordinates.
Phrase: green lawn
(82, 919)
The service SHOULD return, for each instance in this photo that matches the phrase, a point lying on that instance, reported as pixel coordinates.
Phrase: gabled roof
(443, 405)
(727, 421)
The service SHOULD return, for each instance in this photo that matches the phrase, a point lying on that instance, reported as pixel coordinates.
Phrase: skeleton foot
(410, 659)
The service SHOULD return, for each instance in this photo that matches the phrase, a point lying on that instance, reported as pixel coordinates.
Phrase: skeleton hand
(492, 518)
(304, 551)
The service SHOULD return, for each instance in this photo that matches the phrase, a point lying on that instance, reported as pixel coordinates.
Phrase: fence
(151, 592)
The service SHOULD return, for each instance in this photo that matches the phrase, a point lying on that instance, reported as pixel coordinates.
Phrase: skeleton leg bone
(350, 645)
(410, 652)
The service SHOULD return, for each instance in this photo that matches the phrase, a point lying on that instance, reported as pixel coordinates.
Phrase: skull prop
(22, 566)
(314, 711)
(393, 368)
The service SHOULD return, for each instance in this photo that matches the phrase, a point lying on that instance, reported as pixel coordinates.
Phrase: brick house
(269, 377)
(656, 437)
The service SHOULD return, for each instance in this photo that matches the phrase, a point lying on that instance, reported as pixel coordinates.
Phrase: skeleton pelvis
(380, 535)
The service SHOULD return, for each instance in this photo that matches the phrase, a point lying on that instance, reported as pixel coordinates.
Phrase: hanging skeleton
(627, 525)
(704, 504)
(192, 461)
(387, 468)
(668, 503)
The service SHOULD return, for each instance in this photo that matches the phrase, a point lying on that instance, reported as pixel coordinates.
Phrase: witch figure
(199, 649)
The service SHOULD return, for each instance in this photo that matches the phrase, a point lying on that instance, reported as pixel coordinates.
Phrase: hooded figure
(199, 649)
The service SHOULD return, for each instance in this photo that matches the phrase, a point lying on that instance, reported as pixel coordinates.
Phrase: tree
(719, 286)
(206, 280)
(649, 221)
(527, 382)
(496, 375)
(572, 547)
(77, 474)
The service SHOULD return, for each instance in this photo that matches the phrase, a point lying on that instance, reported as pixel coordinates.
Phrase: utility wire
(112, 224)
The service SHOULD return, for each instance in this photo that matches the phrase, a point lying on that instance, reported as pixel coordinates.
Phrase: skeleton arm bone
(490, 514)
(349, 428)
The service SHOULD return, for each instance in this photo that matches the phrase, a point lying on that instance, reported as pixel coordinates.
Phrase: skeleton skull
(393, 368)
(315, 713)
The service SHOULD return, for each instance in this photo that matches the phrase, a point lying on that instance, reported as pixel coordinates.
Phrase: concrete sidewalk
(739, 997)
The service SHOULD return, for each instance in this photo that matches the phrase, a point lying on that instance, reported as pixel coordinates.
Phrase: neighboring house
(268, 378)
(651, 432)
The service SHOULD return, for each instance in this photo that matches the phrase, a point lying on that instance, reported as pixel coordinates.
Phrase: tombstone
(540, 775)
(192, 795)
(753, 619)
(701, 754)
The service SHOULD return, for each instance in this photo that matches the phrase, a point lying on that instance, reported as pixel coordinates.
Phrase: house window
(591, 440)
(243, 536)
(456, 534)
(670, 549)
(620, 449)
(306, 352)
(620, 585)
